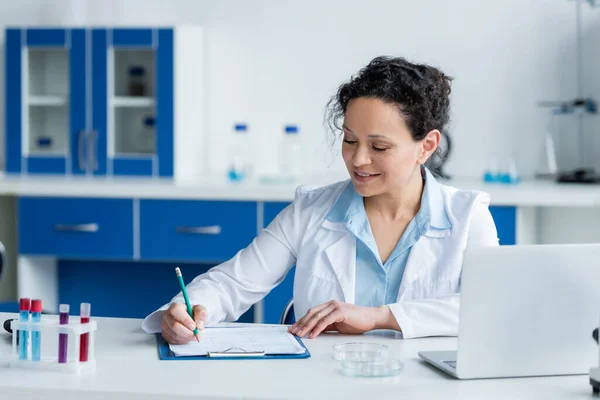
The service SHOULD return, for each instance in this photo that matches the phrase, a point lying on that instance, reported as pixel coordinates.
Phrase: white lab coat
(324, 253)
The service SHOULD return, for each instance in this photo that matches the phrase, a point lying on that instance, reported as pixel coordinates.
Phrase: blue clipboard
(165, 353)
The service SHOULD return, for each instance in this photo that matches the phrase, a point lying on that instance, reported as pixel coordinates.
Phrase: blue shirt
(378, 283)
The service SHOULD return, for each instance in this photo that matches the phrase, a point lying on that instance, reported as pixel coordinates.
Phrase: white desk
(128, 368)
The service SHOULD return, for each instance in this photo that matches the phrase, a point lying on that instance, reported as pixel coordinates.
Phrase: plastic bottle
(240, 165)
(290, 157)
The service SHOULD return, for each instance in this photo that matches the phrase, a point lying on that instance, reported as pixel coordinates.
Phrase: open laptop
(526, 311)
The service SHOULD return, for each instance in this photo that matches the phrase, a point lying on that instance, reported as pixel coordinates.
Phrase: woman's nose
(361, 157)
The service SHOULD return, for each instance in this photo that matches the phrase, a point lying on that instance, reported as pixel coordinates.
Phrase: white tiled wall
(273, 62)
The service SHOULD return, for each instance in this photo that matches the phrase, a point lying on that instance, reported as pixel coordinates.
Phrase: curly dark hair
(421, 93)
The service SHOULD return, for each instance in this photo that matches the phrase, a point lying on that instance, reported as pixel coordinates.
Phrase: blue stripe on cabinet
(132, 166)
(77, 111)
(43, 37)
(164, 102)
(132, 37)
(13, 100)
(100, 96)
(505, 218)
(124, 289)
(46, 165)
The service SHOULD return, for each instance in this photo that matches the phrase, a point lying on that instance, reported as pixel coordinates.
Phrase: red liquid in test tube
(85, 311)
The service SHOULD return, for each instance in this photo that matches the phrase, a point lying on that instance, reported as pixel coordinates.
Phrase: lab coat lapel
(341, 255)
(420, 259)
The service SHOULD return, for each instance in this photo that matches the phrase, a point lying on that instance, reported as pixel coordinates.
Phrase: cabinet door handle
(94, 147)
(89, 228)
(80, 150)
(200, 230)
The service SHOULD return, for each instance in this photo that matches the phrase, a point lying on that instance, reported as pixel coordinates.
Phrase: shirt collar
(432, 212)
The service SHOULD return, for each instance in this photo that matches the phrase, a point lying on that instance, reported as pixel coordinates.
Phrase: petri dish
(374, 368)
(360, 351)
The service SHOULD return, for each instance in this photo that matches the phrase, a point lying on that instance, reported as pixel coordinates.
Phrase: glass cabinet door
(47, 110)
(132, 112)
(132, 102)
(125, 88)
(41, 82)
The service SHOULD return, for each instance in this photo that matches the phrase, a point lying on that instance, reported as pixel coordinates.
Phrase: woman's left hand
(337, 316)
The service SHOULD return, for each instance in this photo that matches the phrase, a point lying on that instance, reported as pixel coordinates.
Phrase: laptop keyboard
(451, 364)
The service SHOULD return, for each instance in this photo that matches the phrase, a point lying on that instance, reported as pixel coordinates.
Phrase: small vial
(36, 339)
(24, 306)
(63, 337)
(85, 311)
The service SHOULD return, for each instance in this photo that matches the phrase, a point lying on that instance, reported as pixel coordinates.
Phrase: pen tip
(197, 339)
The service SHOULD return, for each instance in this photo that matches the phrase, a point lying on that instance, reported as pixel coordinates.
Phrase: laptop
(525, 310)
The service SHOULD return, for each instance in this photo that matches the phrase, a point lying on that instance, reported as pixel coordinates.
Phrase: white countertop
(128, 368)
(527, 193)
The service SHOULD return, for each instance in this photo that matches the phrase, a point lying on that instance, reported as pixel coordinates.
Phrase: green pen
(187, 300)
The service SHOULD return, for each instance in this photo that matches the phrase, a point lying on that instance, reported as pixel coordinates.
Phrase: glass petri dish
(374, 368)
(360, 351)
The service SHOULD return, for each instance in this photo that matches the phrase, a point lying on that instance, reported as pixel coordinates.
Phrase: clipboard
(165, 353)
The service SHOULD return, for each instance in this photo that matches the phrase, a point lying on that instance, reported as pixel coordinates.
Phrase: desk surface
(128, 368)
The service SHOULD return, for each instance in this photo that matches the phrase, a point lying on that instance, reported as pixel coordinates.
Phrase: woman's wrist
(384, 318)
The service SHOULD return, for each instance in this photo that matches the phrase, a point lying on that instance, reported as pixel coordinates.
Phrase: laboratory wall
(274, 62)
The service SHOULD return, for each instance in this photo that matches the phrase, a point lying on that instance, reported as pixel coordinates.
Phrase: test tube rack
(49, 330)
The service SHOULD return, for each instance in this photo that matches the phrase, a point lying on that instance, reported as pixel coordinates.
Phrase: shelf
(133, 102)
(47, 100)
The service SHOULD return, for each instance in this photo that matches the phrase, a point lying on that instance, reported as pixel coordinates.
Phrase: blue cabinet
(102, 101)
(136, 288)
(188, 230)
(76, 227)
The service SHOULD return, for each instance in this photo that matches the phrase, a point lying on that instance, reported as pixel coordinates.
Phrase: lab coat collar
(437, 208)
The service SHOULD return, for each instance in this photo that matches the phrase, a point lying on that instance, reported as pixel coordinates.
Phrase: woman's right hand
(178, 327)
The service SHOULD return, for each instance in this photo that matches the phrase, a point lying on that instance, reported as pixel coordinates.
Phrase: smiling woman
(382, 250)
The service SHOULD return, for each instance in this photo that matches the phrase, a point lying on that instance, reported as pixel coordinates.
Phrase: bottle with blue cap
(240, 164)
(147, 142)
(290, 157)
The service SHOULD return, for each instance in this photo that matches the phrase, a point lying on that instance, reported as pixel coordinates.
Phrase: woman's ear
(429, 144)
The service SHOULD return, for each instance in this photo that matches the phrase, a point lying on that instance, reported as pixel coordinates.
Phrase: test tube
(85, 311)
(63, 337)
(36, 339)
(24, 306)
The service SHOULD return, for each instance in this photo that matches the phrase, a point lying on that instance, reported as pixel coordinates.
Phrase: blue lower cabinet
(276, 300)
(195, 231)
(124, 289)
(76, 227)
(505, 218)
